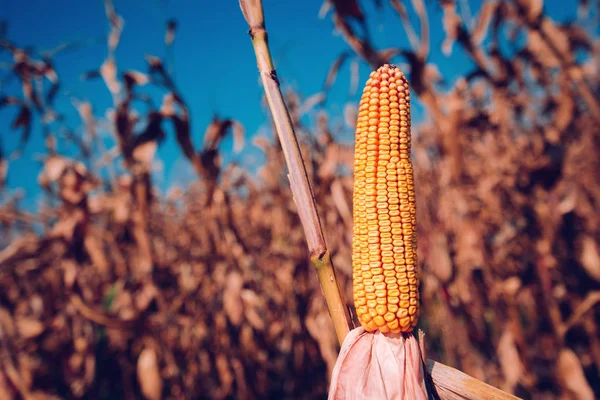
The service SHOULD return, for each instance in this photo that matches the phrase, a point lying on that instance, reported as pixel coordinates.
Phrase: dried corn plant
(111, 290)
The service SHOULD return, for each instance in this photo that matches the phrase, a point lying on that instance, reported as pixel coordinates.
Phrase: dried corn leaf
(511, 364)
(148, 374)
(590, 257)
(29, 328)
(108, 71)
(232, 298)
(571, 376)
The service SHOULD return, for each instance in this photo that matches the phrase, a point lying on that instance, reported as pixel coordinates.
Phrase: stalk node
(273, 75)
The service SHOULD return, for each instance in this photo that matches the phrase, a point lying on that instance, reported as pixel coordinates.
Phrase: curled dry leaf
(29, 328)
(571, 376)
(253, 306)
(510, 287)
(546, 51)
(310, 103)
(108, 71)
(232, 298)
(144, 153)
(85, 112)
(144, 297)
(439, 258)
(350, 114)
(565, 111)
(511, 364)
(54, 167)
(148, 374)
(488, 10)
(7, 391)
(94, 247)
(217, 131)
(325, 7)
(133, 78)
(238, 136)
(533, 8)
(317, 325)
(116, 25)
(348, 9)
(590, 257)
(451, 23)
(225, 375)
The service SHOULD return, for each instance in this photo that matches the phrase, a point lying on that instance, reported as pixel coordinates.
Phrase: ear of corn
(384, 248)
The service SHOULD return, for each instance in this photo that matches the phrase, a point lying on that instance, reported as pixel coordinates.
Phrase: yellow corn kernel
(384, 245)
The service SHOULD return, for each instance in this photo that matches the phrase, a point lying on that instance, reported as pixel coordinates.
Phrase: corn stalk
(299, 183)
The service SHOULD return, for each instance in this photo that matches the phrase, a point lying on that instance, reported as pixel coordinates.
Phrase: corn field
(111, 290)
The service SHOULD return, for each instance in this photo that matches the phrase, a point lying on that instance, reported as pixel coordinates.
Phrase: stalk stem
(299, 183)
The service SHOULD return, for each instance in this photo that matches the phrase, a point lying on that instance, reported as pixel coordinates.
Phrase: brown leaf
(253, 309)
(334, 69)
(167, 109)
(217, 131)
(261, 142)
(350, 115)
(565, 111)
(348, 9)
(432, 74)
(29, 328)
(590, 257)
(511, 364)
(148, 374)
(69, 273)
(96, 251)
(225, 375)
(341, 202)
(423, 50)
(310, 102)
(451, 23)
(483, 21)
(572, 377)
(108, 71)
(325, 7)
(238, 136)
(182, 134)
(232, 298)
(439, 258)
(133, 78)
(510, 287)
(540, 47)
(318, 326)
(533, 8)
(23, 120)
(144, 153)
(53, 168)
(144, 297)
(116, 25)
(408, 28)
(7, 392)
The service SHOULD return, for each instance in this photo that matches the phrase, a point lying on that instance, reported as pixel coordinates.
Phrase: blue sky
(215, 67)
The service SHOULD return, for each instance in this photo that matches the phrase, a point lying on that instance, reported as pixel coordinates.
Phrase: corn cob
(384, 248)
